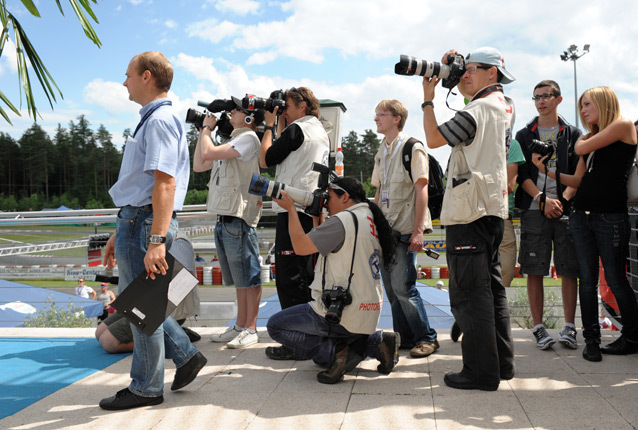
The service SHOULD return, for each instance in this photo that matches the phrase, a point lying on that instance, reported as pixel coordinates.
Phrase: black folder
(148, 302)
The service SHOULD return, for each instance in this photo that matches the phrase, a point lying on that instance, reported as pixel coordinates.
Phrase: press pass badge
(385, 197)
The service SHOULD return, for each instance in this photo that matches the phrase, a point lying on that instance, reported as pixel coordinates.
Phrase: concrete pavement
(243, 389)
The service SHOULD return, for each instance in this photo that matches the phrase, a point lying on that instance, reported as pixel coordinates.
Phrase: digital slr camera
(335, 300)
(542, 148)
(450, 73)
(312, 202)
(277, 99)
(223, 126)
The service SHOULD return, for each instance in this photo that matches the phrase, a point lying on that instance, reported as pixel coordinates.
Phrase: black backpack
(436, 188)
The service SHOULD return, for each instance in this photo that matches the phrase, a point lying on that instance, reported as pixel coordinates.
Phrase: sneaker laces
(541, 334)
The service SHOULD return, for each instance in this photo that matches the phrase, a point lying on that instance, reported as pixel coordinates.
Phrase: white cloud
(212, 31)
(170, 23)
(112, 97)
(240, 7)
(8, 61)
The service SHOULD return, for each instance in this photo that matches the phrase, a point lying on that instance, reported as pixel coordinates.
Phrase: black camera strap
(149, 113)
(354, 249)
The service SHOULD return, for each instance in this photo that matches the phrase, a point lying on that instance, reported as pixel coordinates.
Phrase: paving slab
(243, 389)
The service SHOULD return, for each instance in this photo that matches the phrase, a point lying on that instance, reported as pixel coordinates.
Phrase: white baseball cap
(491, 57)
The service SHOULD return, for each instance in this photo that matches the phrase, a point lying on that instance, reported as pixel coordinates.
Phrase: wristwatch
(427, 103)
(156, 239)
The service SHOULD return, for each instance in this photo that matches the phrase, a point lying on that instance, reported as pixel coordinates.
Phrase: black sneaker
(125, 399)
(188, 372)
(345, 361)
(620, 346)
(543, 339)
(592, 350)
(388, 352)
(567, 337)
(282, 353)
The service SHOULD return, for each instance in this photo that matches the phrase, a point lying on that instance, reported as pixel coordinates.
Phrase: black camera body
(224, 128)
(277, 99)
(313, 202)
(335, 300)
(449, 73)
(542, 148)
(456, 63)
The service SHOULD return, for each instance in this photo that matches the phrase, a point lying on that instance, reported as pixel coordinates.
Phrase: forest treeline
(77, 165)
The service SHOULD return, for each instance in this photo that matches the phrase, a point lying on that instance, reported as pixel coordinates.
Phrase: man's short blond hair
(396, 108)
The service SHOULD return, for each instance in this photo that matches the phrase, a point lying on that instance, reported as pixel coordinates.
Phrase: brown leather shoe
(423, 349)
(388, 352)
(345, 361)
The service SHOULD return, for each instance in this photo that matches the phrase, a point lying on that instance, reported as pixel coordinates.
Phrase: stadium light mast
(572, 55)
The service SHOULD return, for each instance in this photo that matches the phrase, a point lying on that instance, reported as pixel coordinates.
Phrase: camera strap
(354, 249)
(149, 113)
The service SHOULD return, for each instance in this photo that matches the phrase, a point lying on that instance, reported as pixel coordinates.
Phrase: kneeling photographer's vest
(362, 316)
(296, 169)
(229, 183)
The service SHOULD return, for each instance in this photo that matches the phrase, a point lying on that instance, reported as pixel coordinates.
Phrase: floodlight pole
(572, 54)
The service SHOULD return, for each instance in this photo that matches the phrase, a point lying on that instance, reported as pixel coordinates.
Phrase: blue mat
(33, 368)
(435, 301)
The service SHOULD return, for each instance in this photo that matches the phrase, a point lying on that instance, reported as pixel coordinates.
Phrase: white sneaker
(230, 334)
(243, 340)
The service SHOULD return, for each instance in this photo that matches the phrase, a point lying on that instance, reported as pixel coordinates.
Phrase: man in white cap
(474, 209)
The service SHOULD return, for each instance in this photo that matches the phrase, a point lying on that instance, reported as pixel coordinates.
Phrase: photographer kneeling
(337, 329)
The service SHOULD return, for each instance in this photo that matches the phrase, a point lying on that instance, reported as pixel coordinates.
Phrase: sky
(343, 50)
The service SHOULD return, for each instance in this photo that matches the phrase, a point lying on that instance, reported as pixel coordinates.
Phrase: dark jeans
(604, 236)
(478, 299)
(309, 335)
(409, 317)
(295, 273)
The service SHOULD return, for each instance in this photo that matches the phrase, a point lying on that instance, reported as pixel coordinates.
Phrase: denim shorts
(538, 234)
(238, 252)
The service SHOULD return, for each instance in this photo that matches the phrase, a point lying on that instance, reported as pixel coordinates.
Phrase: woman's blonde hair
(607, 104)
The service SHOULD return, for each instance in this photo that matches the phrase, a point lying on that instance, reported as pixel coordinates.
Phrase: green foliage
(54, 316)
(521, 315)
(196, 197)
(358, 156)
(8, 203)
(28, 58)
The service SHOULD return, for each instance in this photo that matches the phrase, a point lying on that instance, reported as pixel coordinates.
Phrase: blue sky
(343, 50)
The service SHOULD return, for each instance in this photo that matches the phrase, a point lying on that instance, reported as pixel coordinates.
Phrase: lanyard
(149, 113)
(388, 163)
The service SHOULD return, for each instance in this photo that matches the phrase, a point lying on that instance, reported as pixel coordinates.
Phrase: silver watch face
(157, 239)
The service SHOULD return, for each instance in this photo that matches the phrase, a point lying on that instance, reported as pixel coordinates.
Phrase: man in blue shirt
(150, 188)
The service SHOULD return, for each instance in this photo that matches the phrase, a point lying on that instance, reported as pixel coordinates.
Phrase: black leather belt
(226, 218)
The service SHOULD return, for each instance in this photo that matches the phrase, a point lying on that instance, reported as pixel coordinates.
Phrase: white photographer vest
(229, 182)
(362, 316)
(296, 169)
(482, 165)
(400, 213)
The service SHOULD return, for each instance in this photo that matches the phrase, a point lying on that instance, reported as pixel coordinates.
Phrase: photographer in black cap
(474, 207)
(338, 328)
